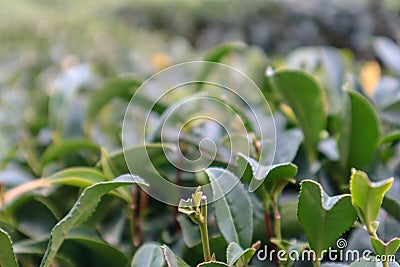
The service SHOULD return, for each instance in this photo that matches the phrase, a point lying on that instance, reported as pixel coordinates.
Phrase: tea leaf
(323, 218)
(233, 208)
(7, 257)
(82, 209)
(148, 255)
(384, 249)
(307, 100)
(367, 196)
(171, 259)
(238, 257)
(359, 131)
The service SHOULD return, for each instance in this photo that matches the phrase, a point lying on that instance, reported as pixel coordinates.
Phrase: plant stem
(267, 218)
(23, 188)
(204, 230)
(2, 199)
(277, 219)
(2, 192)
(371, 231)
(135, 220)
(268, 225)
(132, 208)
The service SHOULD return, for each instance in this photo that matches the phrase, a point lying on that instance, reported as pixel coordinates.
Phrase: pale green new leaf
(171, 259)
(382, 248)
(106, 164)
(7, 256)
(82, 209)
(148, 255)
(233, 207)
(367, 196)
(323, 218)
(371, 262)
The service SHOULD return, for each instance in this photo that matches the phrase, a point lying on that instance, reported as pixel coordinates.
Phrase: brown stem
(268, 225)
(23, 188)
(2, 198)
(135, 220)
(270, 231)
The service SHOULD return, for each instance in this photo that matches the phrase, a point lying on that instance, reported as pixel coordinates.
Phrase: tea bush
(74, 185)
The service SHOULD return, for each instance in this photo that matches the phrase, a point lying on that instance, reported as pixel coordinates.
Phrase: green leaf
(77, 176)
(392, 207)
(287, 146)
(328, 64)
(190, 232)
(104, 251)
(171, 259)
(7, 256)
(389, 52)
(238, 257)
(384, 249)
(274, 177)
(323, 218)
(289, 221)
(359, 131)
(215, 55)
(64, 147)
(138, 156)
(390, 138)
(82, 209)
(38, 248)
(148, 255)
(122, 88)
(367, 196)
(233, 208)
(106, 164)
(307, 100)
(84, 177)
